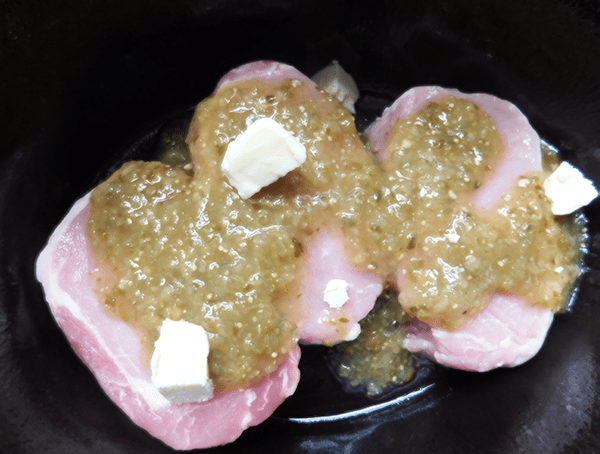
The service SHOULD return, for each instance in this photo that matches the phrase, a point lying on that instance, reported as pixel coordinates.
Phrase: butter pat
(568, 190)
(336, 293)
(179, 363)
(260, 156)
(337, 82)
(353, 333)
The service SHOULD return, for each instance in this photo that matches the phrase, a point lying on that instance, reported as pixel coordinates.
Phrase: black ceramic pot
(86, 85)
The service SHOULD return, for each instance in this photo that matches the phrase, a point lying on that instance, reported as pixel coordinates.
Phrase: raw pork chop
(508, 332)
(270, 71)
(112, 351)
(324, 259)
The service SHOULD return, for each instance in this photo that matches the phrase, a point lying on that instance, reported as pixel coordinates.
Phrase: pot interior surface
(89, 85)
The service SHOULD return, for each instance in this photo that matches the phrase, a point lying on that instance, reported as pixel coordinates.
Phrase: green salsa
(177, 241)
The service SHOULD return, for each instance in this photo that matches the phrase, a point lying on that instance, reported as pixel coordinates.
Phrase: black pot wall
(86, 85)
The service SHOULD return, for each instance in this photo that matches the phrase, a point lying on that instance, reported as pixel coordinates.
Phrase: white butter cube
(179, 363)
(568, 190)
(260, 156)
(336, 293)
(337, 82)
(353, 333)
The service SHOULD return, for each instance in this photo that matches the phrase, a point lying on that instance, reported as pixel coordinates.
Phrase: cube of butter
(261, 155)
(180, 363)
(336, 293)
(568, 190)
(337, 82)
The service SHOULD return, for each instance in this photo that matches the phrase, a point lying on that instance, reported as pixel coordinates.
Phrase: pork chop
(325, 258)
(508, 331)
(112, 351)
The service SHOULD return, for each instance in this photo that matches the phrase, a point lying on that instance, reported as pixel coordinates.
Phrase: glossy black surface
(85, 85)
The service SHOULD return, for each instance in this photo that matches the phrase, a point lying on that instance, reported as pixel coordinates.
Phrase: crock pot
(87, 85)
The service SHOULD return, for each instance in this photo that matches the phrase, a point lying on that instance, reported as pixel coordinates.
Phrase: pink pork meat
(325, 258)
(270, 71)
(112, 351)
(507, 332)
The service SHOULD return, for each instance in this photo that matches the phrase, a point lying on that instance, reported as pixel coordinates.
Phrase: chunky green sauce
(181, 244)
(377, 357)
